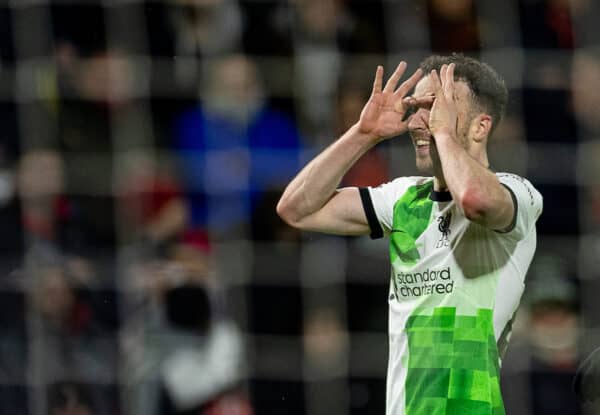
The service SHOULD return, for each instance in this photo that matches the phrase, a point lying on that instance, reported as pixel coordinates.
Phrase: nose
(419, 120)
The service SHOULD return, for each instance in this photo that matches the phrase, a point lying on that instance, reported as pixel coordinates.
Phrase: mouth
(422, 147)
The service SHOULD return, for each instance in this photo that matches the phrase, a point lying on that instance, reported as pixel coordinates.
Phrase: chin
(425, 166)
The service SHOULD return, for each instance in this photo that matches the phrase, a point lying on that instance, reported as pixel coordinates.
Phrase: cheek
(419, 119)
(464, 124)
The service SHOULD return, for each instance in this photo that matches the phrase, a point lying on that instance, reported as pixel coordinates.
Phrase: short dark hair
(487, 87)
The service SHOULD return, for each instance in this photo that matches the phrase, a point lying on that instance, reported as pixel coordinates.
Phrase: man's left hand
(444, 115)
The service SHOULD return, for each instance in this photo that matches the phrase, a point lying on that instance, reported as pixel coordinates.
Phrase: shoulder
(386, 195)
(528, 203)
(379, 201)
(511, 176)
(519, 184)
(401, 184)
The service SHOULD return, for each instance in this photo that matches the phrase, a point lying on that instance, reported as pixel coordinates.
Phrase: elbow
(287, 213)
(474, 204)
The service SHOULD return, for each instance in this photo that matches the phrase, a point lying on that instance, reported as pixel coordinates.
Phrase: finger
(449, 82)
(409, 83)
(443, 73)
(412, 104)
(393, 81)
(437, 84)
(378, 80)
(419, 102)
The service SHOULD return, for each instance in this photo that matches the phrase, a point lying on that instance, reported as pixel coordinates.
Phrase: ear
(481, 125)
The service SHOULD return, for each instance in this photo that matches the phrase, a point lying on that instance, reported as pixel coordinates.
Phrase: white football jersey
(454, 288)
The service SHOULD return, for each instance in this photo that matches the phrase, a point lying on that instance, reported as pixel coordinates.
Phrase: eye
(409, 112)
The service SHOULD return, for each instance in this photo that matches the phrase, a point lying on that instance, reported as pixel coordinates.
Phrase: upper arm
(511, 206)
(343, 214)
(492, 207)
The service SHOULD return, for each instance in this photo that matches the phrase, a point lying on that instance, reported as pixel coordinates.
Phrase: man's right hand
(312, 201)
(384, 114)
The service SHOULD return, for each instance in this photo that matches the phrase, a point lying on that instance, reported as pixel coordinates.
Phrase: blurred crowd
(145, 145)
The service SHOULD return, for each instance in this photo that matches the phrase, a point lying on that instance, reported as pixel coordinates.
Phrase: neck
(439, 184)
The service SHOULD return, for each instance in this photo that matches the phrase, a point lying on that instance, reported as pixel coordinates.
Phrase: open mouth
(422, 147)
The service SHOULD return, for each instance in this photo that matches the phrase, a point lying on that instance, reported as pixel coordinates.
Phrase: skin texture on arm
(312, 201)
(476, 189)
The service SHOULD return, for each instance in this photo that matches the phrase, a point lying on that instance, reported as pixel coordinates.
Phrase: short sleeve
(528, 204)
(382, 200)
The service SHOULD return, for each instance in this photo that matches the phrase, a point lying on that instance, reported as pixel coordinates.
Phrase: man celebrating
(460, 242)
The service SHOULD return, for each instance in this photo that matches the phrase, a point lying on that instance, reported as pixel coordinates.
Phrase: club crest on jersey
(444, 228)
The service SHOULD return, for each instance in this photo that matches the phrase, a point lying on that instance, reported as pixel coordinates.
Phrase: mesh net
(145, 145)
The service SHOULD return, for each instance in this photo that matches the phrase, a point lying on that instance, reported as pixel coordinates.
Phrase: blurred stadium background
(144, 146)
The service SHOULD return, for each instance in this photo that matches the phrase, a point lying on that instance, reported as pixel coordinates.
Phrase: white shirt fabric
(454, 288)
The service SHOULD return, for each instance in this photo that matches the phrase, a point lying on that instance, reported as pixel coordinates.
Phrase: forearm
(473, 186)
(316, 183)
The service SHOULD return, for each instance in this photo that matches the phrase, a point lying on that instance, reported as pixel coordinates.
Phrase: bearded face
(427, 158)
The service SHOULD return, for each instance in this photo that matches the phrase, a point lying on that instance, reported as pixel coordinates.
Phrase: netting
(145, 145)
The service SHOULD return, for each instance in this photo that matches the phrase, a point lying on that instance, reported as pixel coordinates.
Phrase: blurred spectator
(547, 24)
(583, 15)
(546, 30)
(323, 31)
(346, 25)
(152, 205)
(78, 343)
(405, 26)
(191, 354)
(318, 59)
(45, 216)
(80, 26)
(543, 357)
(325, 344)
(184, 36)
(545, 97)
(65, 337)
(586, 72)
(559, 24)
(98, 118)
(189, 31)
(233, 148)
(40, 184)
(34, 211)
(32, 215)
(508, 147)
(453, 26)
(315, 34)
(65, 398)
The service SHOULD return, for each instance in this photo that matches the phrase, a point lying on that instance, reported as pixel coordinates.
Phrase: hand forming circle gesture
(384, 114)
(443, 116)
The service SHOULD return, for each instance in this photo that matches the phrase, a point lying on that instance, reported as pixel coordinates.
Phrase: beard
(428, 162)
(424, 165)
(426, 157)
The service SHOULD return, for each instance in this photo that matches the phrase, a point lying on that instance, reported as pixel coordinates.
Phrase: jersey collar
(440, 196)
